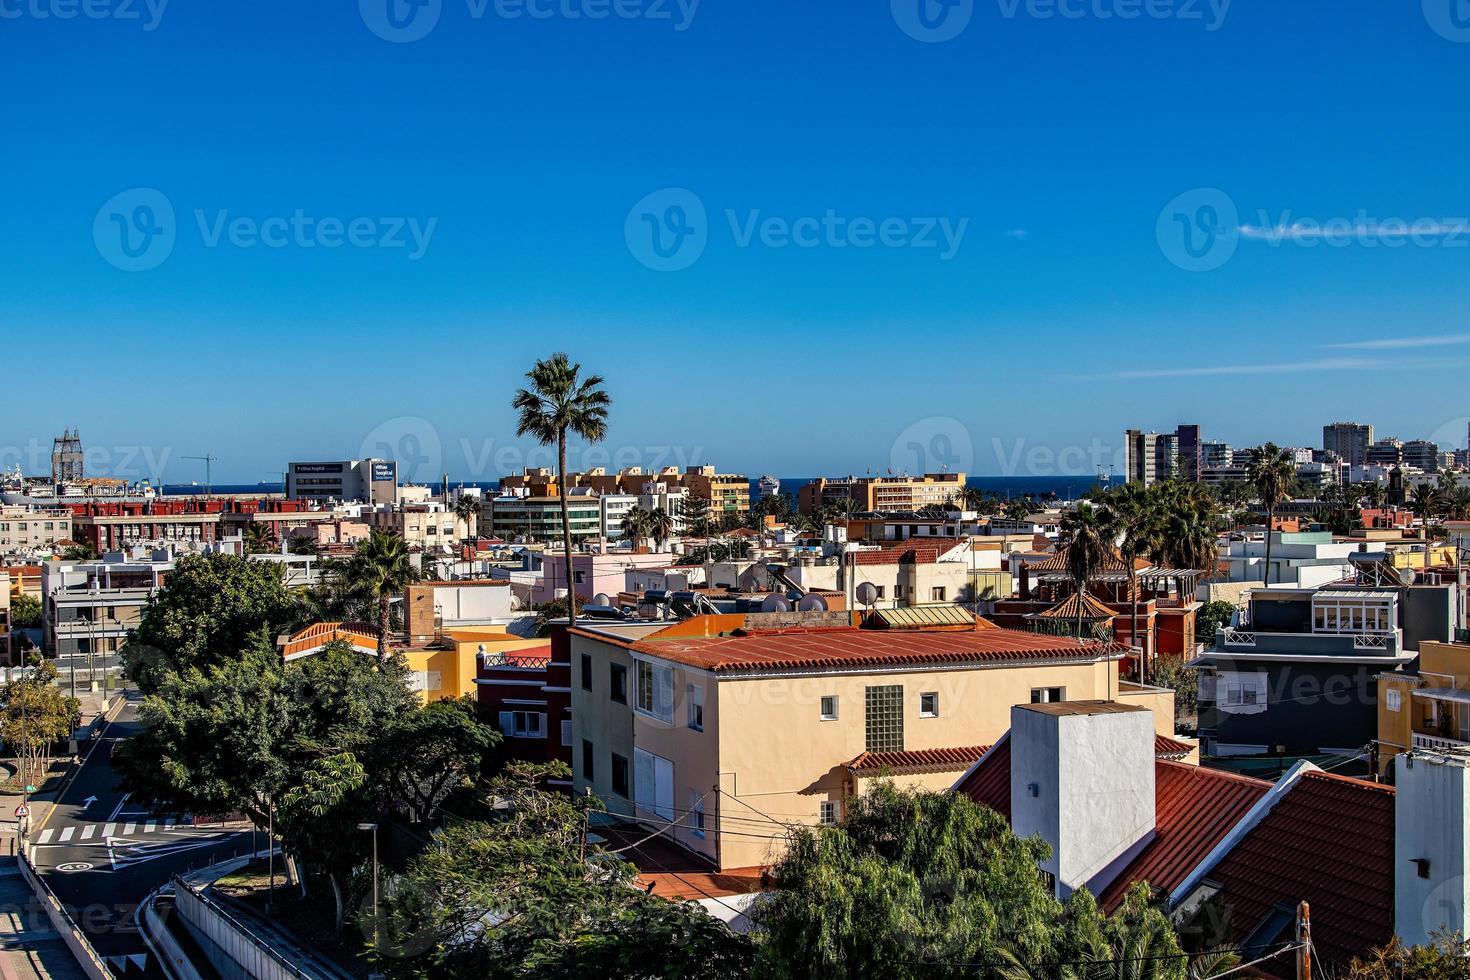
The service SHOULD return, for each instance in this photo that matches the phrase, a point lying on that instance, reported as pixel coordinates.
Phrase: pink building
(591, 573)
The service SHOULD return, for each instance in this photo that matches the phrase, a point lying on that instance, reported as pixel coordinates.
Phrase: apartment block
(24, 528)
(364, 481)
(886, 494)
(1349, 440)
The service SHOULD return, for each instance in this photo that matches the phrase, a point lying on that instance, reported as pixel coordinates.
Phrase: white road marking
(45, 836)
(107, 831)
(66, 834)
(128, 828)
(118, 809)
(88, 831)
(169, 822)
(151, 827)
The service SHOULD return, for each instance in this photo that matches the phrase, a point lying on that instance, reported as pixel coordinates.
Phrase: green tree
(1272, 475)
(1170, 672)
(1210, 617)
(560, 403)
(35, 717)
(636, 525)
(257, 540)
(79, 552)
(920, 885)
(660, 527)
(426, 755)
(523, 894)
(468, 508)
(382, 568)
(1087, 537)
(695, 511)
(1446, 957)
(317, 819)
(1426, 502)
(25, 612)
(209, 611)
(1135, 514)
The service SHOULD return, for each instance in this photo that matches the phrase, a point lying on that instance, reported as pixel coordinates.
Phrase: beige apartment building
(889, 494)
(421, 525)
(728, 493)
(727, 729)
(22, 528)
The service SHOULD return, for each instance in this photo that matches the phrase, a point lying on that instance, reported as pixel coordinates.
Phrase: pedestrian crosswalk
(100, 833)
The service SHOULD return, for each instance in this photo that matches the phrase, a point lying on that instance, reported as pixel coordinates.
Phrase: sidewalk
(29, 946)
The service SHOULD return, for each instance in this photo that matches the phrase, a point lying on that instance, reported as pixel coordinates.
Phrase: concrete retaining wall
(91, 963)
(234, 950)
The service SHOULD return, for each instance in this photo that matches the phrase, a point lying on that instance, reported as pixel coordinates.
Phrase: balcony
(1438, 743)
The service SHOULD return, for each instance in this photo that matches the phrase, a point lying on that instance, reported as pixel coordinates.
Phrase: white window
(1241, 692)
(653, 784)
(929, 705)
(936, 594)
(655, 691)
(523, 724)
(829, 813)
(696, 707)
(829, 707)
(1048, 695)
(1393, 699)
(696, 814)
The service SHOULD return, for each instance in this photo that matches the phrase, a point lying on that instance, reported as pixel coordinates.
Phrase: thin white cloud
(1019, 234)
(1303, 231)
(1402, 343)
(1279, 367)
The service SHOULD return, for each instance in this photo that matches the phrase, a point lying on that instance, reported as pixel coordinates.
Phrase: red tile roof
(845, 647)
(915, 760)
(1328, 841)
(915, 552)
(1194, 808)
(1169, 748)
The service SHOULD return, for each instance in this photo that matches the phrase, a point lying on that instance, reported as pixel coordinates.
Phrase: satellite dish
(812, 603)
(601, 599)
(776, 603)
(867, 593)
(1408, 575)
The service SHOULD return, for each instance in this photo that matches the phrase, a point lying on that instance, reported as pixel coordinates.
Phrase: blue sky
(519, 147)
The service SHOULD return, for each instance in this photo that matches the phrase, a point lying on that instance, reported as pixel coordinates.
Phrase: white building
(1304, 559)
(614, 507)
(668, 496)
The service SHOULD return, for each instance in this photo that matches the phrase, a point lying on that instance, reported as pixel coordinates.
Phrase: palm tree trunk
(384, 604)
(566, 524)
(1270, 520)
(1133, 625)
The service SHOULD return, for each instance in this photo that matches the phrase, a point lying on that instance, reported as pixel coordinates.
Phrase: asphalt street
(102, 853)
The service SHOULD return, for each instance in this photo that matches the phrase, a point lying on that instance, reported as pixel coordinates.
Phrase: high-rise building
(1387, 452)
(367, 481)
(1150, 456)
(1216, 455)
(1349, 440)
(67, 457)
(1422, 454)
(1188, 451)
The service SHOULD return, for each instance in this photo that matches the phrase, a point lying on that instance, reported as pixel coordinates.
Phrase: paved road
(102, 854)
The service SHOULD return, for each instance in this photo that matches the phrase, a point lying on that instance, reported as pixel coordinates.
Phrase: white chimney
(1431, 879)
(1082, 776)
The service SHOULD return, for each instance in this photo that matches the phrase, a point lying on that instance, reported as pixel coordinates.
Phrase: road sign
(22, 811)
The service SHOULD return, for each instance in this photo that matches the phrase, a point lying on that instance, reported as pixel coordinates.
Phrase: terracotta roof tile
(846, 647)
(1169, 748)
(1329, 841)
(1067, 609)
(913, 760)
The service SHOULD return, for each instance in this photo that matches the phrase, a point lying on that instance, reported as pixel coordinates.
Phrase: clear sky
(1034, 291)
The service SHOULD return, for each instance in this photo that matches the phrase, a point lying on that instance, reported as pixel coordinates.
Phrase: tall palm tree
(635, 525)
(1425, 502)
(660, 527)
(1135, 523)
(1272, 474)
(468, 509)
(1087, 537)
(381, 568)
(559, 403)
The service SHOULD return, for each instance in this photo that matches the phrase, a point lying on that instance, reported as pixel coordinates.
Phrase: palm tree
(257, 540)
(1373, 493)
(1425, 502)
(635, 525)
(1087, 537)
(560, 403)
(1135, 512)
(660, 527)
(468, 509)
(1272, 474)
(381, 568)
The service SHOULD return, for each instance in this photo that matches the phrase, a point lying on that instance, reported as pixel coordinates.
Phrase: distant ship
(768, 486)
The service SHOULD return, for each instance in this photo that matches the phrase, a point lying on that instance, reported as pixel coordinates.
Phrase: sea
(1064, 487)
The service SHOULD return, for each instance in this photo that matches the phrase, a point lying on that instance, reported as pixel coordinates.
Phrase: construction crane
(209, 462)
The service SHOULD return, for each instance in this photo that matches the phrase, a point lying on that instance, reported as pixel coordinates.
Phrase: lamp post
(374, 828)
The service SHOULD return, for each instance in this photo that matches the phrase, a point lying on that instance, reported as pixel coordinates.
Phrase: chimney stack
(1082, 776)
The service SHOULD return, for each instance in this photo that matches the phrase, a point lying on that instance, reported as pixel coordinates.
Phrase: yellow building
(1427, 710)
(892, 494)
(438, 671)
(731, 727)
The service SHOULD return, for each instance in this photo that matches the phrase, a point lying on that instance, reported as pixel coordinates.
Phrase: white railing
(1438, 743)
(1370, 641)
(1235, 637)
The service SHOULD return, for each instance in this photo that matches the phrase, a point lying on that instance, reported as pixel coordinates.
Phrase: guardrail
(62, 922)
(235, 939)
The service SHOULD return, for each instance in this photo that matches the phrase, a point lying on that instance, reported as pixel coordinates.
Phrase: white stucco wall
(1431, 812)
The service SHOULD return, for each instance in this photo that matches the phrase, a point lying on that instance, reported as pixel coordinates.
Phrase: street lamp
(374, 828)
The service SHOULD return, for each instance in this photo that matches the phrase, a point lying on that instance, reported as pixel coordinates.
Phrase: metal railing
(1235, 637)
(1437, 743)
(182, 888)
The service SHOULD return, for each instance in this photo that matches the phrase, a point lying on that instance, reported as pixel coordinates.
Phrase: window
(829, 707)
(898, 592)
(589, 760)
(653, 784)
(655, 690)
(696, 814)
(936, 594)
(1047, 695)
(929, 705)
(566, 733)
(884, 721)
(880, 590)
(618, 683)
(696, 707)
(586, 672)
(828, 813)
(619, 775)
(523, 724)
(1393, 699)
